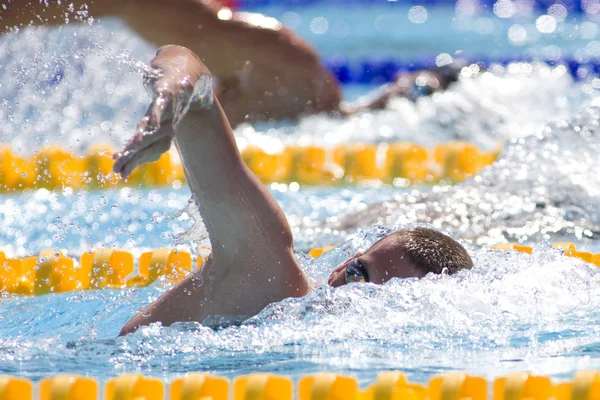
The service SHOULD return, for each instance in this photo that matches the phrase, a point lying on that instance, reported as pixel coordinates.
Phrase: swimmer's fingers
(160, 110)
(128, 160)
(153, 126)
(152, 138)
(156, 129)
(150, 77)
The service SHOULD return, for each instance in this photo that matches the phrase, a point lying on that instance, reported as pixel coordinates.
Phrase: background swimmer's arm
(265, 70)
(376, 101)
(410, 85)
(406, 85)
(252, 262)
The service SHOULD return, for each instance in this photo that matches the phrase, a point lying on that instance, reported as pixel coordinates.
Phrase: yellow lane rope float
(399, 163)
(390, 385)
(568, 249)
(53, 272)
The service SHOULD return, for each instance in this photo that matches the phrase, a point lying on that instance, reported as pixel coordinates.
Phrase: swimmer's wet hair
(432, 251)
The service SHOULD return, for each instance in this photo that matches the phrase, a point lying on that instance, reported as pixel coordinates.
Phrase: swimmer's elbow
(133, 324)
(128, 328)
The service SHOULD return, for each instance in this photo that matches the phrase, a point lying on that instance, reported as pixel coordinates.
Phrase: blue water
(387, 30)
(512, 312)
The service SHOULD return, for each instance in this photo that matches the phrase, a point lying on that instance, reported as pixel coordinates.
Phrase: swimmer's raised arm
(252, 264)
(265, 71)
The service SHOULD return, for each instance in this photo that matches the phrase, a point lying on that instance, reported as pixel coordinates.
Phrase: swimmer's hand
(178, 80)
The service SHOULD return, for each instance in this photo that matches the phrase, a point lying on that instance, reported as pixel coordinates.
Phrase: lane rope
(51, 271)
(377, 71)
(572, 6)
(263, 386)
(400, 163)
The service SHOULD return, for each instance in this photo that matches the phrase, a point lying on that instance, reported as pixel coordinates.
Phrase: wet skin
(382, 261)
(252, 262)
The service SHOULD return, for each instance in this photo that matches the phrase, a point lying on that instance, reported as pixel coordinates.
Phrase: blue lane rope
(540, 5)
(379, 71)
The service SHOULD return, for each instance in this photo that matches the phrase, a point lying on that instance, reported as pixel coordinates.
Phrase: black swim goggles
(356, 272)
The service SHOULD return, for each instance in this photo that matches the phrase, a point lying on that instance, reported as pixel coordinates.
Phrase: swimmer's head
(408, 253)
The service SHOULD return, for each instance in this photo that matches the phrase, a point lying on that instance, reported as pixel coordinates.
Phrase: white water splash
(511, 312)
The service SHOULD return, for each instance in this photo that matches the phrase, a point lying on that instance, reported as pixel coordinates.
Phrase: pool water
(512, 312)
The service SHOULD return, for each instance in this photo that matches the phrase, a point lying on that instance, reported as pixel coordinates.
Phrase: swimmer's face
(381, 262)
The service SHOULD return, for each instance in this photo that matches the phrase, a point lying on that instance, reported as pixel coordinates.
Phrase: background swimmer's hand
(179, 79)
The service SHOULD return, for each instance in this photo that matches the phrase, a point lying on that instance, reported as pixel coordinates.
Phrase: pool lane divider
(389, 385)
(377, 71)
(401, 163)
(568, 249)
(53, 272)
(541, 6)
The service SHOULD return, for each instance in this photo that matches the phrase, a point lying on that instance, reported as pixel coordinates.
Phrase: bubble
(504, 9)
(467, 8)
(319, 25)
(558, 11)
(517, 34)
(417, 14)
(106, 126)
(552, 53)
(588, 30)
(546, 24)
(443, 59)
(591, 6)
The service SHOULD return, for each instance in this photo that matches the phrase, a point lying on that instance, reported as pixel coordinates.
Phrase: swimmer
(252, 263)
(265, 71)
(411, 85)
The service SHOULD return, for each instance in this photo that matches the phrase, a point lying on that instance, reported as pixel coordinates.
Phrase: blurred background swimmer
(252, 244)
(264, 70)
